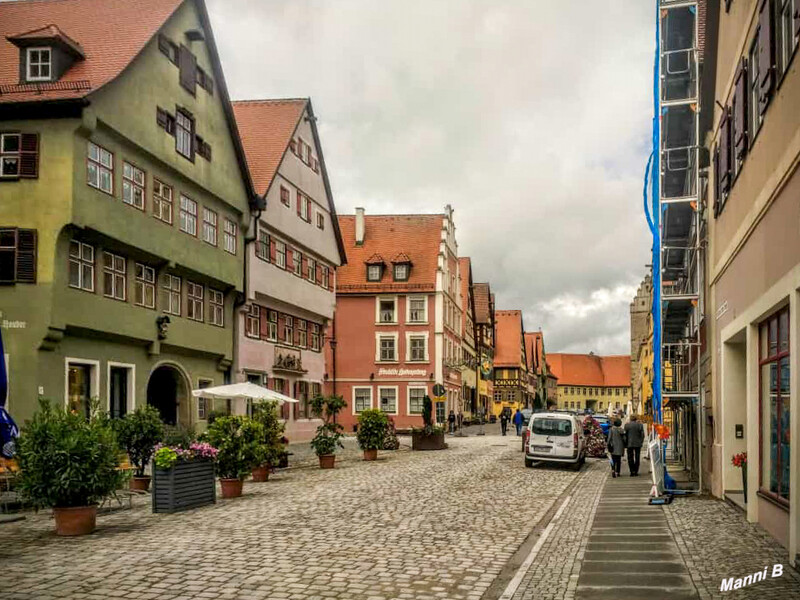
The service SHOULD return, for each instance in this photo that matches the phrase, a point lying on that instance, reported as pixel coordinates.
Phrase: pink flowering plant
(166, 456)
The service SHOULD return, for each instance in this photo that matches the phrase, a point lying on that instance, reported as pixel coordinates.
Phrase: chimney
(360, 226)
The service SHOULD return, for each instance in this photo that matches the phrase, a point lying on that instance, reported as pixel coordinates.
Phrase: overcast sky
(530, 117)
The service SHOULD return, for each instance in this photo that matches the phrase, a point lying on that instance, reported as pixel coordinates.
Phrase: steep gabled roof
(508, 345)
(591, 369)
(417, 236)
(482, 295)
(110, 33)
(467, 300)
(533, 345)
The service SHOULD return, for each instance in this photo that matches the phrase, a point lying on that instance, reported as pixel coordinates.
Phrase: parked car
(604, 421)
(555, 438)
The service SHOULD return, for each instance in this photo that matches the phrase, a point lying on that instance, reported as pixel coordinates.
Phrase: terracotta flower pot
(261, 474)
(371, 454)
(327, 461)
(76, 520)
(231, 488)
(140, 484)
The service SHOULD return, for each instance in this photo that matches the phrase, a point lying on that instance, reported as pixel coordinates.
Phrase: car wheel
(529, 463)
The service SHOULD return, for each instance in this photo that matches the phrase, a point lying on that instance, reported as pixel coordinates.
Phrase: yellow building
(592, 382)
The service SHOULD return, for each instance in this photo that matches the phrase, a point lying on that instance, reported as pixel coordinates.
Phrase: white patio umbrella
(242, 391)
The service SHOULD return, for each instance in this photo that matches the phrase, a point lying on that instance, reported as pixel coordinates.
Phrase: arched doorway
(168, 392)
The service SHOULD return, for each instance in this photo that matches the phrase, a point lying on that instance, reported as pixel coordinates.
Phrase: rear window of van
(552, 426)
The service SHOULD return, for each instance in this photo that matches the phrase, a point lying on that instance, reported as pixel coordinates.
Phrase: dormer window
(39, 64)
(374, 272)
(401, 272)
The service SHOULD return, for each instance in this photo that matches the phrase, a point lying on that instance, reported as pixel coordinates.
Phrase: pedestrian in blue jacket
(518, 420)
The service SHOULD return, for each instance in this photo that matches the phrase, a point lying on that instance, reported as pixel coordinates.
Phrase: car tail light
(575, 439)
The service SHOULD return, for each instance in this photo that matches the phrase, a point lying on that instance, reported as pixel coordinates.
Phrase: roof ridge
(368, 216)
(269, 100)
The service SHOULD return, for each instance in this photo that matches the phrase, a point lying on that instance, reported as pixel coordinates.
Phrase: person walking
(460, 420)
(634, 437)
(518, 421)
(503, 421)
(616, 446)
(451, 421)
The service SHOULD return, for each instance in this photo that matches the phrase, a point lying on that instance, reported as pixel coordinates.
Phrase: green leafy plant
(213, 415)
(239, 441)
(165, 458)
(329, 434)
(178, 436)
(373, 425)
(67, 460)
(266, 413)
(138, 433)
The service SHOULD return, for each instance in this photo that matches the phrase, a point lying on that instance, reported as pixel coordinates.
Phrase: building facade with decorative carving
(398, 319)
(292, 257)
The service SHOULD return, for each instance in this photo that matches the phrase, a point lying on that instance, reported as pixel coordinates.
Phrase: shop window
(774, 400)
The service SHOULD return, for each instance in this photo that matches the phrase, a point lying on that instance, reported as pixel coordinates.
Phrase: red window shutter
(29, 155)
(273, 250)
(740, 112)
(725, 151)
(717, 184)
(331, 277)
(297, 332)
(289, 260)
(26, 256)
(293, 146)
(299, 204)
(765, 54)
(305, 267)
(285, 411)
(188, 70)
(318, 274)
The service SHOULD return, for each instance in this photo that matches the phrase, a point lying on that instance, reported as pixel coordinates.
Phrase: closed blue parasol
(8, 428)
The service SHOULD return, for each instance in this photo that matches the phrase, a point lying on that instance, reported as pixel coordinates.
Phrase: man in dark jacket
(503, 421)
(634, 434)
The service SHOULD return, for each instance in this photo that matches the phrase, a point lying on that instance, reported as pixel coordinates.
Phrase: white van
(555, 437)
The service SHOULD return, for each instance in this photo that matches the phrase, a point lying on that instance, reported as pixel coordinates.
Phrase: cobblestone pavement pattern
(414, 525)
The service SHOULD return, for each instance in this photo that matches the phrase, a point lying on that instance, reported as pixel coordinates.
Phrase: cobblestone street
(414, 525)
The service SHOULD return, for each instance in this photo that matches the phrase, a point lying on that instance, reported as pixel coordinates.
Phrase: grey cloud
(531, 118)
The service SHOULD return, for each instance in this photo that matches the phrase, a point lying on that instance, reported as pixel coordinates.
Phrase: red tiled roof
(111, 33)
(508, 345)
(591, 369)
(417, 236)
(533, 345)
(266, 127)
(465, 269)
(481, 293)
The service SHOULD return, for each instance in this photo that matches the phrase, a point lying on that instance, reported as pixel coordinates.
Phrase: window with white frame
(285, 196)
(231, 231)
(417, 309)
(132, 185)
(209, 226)
(297, 257)
(325, 277)
(216, 308)
(312, 270)
(145, 286)
(288, 329)
(81, 266)
(417, 348)
(302, 333)
(39, 64)
(416, 397)
(374, 272)
(280, 254)
(195, 299)
(315, 339)
(272, 325)
(388, 400)
(100, 168)
(387, 310)
(754, 87)
(786, 38)
(387, 348)
(303, 206)
(362, 399)
(253, 321)
(10, 148)
(188, 215)
(184, 134)
(114, 276)
(162, 201)
(171, 291)
(401, 272)
(262, 245)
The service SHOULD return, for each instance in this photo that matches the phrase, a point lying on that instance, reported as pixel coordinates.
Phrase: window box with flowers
(183, 478)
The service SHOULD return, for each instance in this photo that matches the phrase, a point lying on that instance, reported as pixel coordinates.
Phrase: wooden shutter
(740, 112)
(765, 54)
(161, 117)
(26, 256)
(717, 185)
(318, 275)
(299, 204)
(164, 45)
(725, 151)
(281, 324)
(289, 260)
(29, 155)
(188, 69)
(285, 411)
(273, 250)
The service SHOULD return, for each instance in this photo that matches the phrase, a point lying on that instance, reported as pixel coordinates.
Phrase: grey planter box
(184, 486)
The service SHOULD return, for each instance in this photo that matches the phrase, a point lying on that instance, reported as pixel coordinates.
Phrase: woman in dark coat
(616, 446)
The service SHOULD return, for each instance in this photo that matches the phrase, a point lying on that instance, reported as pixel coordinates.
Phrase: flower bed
(183, 478)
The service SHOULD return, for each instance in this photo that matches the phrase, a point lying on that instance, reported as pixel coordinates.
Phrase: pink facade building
(293, 252)
(398, 318)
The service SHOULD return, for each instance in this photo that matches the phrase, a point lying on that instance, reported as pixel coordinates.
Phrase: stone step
(641, 565)
(628, 538)
(628, 546)
(624, 555)
(634, 593)
(651, 580)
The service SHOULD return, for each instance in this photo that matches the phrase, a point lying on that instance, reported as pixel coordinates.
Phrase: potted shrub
(373, 426)
(239, 443)
(329, 434)
(138, 433)
(183, 477)
(429, 437)
(266, 413)
(391, 442)
(68, 463)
